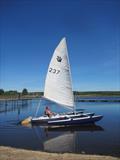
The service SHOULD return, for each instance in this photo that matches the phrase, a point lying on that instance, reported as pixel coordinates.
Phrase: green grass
(98, 93)
(18, 95)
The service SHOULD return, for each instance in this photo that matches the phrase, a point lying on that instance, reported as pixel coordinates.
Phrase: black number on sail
(50, 69)
(55, 71)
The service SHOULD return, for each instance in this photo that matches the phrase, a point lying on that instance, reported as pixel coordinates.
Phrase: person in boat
(48, 112)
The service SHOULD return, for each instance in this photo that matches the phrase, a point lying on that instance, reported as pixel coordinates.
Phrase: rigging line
(37, 108)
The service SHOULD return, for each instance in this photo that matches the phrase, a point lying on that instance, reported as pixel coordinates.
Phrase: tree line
(25, 93)
(13, 92)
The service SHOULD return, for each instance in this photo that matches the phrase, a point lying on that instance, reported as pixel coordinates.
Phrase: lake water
(102, 138)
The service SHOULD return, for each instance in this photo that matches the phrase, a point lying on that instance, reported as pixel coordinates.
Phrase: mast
(74, 106)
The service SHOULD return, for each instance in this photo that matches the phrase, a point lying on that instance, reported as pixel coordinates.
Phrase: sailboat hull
(68, 120)
(76, 121)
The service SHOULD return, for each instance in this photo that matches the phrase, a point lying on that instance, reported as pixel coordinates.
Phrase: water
(103, 138)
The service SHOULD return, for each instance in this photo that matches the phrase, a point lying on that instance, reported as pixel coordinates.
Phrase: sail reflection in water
(64, 143)
(64, 139)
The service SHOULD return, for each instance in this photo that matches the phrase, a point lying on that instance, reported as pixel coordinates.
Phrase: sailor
(48, 112)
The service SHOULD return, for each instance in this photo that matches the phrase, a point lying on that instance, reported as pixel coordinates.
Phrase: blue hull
(70, 119)
(76, 121)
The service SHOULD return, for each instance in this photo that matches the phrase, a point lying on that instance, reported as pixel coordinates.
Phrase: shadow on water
(91, 127)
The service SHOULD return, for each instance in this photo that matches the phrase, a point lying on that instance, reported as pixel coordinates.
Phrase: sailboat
(58, 88)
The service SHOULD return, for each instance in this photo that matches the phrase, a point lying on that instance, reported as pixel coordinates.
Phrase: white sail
(58, 86)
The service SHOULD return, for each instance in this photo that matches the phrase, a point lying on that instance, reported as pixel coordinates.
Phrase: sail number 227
(55, 71)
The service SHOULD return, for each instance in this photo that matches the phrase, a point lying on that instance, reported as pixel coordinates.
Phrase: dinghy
(58, 88)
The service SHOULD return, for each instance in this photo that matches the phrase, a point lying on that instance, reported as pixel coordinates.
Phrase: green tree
(24, 91)
(1, 91)
(11, 92)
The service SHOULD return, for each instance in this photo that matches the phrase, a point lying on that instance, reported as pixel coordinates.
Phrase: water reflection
(62, 143)
(13, 105)
(91, 128)
(102, 138)
(62, 139)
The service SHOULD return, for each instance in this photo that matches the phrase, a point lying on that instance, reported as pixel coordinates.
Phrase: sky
(30, 30)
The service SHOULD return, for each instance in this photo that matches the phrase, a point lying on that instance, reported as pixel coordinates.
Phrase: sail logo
(59, 59)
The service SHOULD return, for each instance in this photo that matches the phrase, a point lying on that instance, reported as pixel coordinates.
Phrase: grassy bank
(97, 93)
(14, 95)
(8, 153)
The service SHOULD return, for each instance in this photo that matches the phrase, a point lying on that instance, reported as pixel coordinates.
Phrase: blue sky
(31, 29)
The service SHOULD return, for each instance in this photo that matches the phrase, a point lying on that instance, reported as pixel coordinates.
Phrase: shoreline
(7, 153)
(79, 96)
(77, 100)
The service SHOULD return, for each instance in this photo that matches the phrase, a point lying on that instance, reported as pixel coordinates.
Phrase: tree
(1, 91)
(24, 91)
(11, 92)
